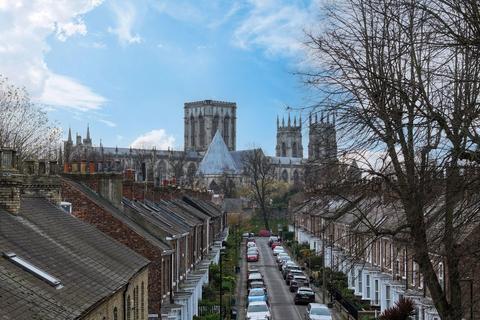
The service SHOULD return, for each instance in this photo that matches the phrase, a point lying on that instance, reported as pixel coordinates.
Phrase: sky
(126, 67)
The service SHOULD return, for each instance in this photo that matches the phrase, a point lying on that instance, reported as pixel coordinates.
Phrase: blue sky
(127, 67)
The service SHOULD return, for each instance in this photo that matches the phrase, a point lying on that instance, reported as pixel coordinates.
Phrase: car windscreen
(320, 312)
(305, 292)
(257, 308)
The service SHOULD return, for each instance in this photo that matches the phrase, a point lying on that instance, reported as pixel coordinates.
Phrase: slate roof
(240, 157)
(206, 207)
(122, 216)
(217, 159)
(90, 265)
(287, 161)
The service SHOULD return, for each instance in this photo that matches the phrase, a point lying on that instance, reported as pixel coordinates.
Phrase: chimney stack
(10, 181)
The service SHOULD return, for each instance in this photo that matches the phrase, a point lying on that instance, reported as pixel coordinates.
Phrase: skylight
(39, 273)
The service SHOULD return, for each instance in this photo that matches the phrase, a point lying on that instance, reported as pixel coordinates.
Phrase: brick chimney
(10, 181)
(40, 180)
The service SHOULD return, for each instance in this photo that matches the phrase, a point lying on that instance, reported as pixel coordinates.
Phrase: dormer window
(37, 272)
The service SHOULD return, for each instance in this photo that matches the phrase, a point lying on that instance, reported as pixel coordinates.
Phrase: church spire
(283, 122)
(289, 122)
(88, 132)
(69, 135)
(295, 121)
(300, 121)
(278, 122)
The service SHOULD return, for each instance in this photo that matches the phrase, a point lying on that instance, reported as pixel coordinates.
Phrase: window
(226, 130)
(420, 284)
(377, 292)
(129, 308)
(360, 281)
(404, 263)
(115, 313)
(367, 279)
(414, 273)
(192, 133)
(441, 275)
(142, 299)
(201, 124)
(284, 149)
(352, 277)
(388, 297)
(294, 150)
(136, 300)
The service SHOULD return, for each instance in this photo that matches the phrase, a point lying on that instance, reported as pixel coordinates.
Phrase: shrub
(402, 310)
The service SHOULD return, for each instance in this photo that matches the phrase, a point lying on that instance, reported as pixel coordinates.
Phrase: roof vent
(39, 273)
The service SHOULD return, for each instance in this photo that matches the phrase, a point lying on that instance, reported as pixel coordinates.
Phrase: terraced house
(176, 232)
(365, 238)
(53, 265)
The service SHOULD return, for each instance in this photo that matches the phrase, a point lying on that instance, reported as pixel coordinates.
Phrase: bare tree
(24, 126)
(176, 161)
(261, 174)
(227, 185)
(406, 95)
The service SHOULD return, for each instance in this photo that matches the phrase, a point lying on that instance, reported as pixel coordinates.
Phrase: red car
(252, 257)
(275, 244)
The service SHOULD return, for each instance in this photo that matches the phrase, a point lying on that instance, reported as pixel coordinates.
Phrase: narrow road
(281, 299)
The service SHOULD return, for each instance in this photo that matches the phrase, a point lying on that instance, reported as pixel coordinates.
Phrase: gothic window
(296, 177)
(115, 313)
(215, 125)
(294, 150)
(142, 299)
(136, 303)
(129, 308)
(226, 128)
(201, 134)
(192, 132)
(284, 149)
(285, 175)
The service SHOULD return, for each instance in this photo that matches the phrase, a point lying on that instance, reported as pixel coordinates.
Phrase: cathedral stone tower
(289, 138)
(322, 146)
(204, 118)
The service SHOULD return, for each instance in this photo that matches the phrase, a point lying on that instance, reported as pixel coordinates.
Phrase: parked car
(283, 263)
(252, 249)
(245, 235)
(291, 274)
(257, 294)
(298, 281)
(253, 269)
(289, 268)
(258, 310)
(256, 284)
(264, 233)
(277, 250)
(317, 311)
(272, 239)
(251, 244)
(286, 265)
(252, 256)
(254, 277)
(275, 244)
(282, 255)
(304, 295)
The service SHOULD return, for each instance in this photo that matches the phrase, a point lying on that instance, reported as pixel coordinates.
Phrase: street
(281, 299)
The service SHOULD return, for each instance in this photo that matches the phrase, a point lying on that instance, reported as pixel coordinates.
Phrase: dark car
(291, 274)
(297, 282)
(287, 269)
(304, 295)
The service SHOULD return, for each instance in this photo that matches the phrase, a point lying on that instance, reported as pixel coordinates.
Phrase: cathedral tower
(289, 138)
(322, 146)
(204, 118)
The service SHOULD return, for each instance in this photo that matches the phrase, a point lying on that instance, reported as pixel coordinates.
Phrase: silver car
(318, 311)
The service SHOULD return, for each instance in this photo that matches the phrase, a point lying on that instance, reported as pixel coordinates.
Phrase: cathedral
(210, 151)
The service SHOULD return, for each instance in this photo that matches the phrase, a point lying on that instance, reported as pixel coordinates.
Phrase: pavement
(281, 299)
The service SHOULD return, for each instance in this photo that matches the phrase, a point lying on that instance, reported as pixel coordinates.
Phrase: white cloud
(24, 29)
(277, 26)
(109, 123)
(125, 16)
(156, 138)
(64, 91)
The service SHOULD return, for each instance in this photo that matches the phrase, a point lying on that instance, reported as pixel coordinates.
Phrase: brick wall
(91, 213)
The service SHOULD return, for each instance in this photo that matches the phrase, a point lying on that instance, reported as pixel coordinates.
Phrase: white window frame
(367, 286)
(360, 280)
(388, 296)
(376, 292)
(441, 278)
